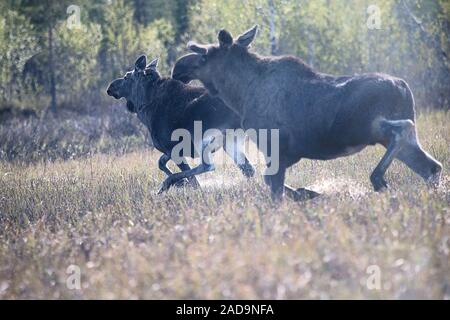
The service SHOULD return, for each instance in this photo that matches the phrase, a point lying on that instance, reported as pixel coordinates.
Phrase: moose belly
(348, 151)
(333, 152)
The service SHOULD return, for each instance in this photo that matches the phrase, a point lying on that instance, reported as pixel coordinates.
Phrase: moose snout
(115, 88)
(112, 91)
(181, 77)
(180, 74)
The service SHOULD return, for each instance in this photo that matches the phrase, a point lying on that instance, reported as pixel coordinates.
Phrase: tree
(44, 16)
(61, 64)
(339, 36)
(124, 40)
(17, 45)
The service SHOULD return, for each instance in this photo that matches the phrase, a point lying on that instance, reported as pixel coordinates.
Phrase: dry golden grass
(229, 240)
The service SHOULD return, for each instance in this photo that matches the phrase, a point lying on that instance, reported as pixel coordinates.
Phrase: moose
(319, 116)
(164, 105)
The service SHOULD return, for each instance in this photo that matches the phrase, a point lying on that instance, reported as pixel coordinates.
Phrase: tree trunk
(273, 39)
(181, 15)
(51, 66)
(310, 41)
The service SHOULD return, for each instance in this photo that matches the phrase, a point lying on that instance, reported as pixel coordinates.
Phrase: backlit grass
(229, 240)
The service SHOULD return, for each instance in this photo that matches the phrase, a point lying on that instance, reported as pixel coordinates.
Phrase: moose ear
(153, 64)
(247, 37)
(225, 38)
(197, 48)
(140, 63)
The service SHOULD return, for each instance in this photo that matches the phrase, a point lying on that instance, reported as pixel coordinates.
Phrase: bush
(69, 135)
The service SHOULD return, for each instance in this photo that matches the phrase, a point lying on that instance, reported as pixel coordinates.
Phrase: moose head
(130, 86)
(209, 62)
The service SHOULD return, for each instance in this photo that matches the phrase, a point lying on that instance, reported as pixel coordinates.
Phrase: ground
(100, 218)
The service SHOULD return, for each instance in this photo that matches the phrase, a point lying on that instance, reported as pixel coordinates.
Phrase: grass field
(102, 215)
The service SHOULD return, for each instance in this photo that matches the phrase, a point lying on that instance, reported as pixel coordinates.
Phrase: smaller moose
(164, 105)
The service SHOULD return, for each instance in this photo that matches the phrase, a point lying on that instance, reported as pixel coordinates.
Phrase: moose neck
(163, 96)
(235, 83)
(147, 102)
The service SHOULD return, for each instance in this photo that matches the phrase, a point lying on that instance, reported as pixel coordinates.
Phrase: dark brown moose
(319, 116)
(164, 105)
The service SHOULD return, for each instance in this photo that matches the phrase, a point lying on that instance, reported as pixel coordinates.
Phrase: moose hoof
(165, 186)
(379, 184)
(248, 171)
(303, 194)
(182, 183)
(434, 180)
(194, 184)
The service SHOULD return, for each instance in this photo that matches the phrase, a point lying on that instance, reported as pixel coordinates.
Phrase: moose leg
(192, 180)
(397, 133)
(162, 164)
(300, 194)
(205, 166)
(276, 183)
(420, 161)
(235, 151)
(277, 186)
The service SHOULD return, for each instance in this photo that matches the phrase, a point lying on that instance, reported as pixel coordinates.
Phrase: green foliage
(119, 37)
(235, 16)
(124, 40)
(36, 45)
(42, 13)
(17, 45)
(71, 135)
(75, 59)
(333, 37)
